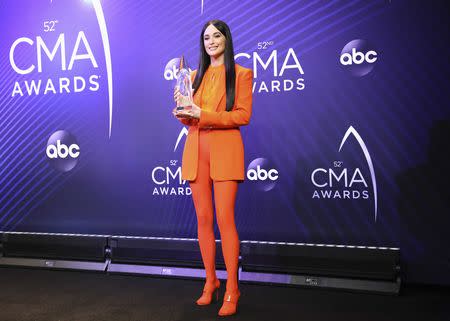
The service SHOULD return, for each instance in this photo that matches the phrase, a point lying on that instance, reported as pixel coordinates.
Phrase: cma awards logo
(281, 72)
(272, 71)
(62, 151)
(262, 174)
(63, 55)
(339, 182)
(59, 85)
(167, 178)
(358, 57)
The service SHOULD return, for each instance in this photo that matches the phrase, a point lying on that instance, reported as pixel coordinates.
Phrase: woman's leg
(202, 197)
(225, 197)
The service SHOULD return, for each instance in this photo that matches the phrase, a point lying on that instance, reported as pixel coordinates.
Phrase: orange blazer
(227, 148)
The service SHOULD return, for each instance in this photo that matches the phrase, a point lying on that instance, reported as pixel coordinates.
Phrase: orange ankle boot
(210, 291)
(230, 302)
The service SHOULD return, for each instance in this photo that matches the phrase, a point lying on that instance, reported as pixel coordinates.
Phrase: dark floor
(31, 294)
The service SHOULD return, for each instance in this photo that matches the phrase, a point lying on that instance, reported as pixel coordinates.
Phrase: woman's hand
(191, 112)
(181, 114)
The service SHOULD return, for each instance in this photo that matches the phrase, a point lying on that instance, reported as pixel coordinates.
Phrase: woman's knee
(204, 218)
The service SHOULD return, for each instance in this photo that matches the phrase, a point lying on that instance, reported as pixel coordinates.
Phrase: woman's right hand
(179, 115)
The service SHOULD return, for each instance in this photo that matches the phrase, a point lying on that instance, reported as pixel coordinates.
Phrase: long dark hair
(205, 61)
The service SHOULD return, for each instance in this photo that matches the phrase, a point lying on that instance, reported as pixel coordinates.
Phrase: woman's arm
(240, 115)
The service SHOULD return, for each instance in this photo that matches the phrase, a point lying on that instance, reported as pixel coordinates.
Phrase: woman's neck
(217, 61)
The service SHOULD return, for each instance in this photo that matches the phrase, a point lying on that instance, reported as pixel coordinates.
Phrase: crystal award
(184, 85)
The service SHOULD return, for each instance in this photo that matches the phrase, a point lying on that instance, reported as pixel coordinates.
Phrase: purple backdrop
(350, 120)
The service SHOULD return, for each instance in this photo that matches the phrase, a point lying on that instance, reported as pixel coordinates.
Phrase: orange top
(214, 80)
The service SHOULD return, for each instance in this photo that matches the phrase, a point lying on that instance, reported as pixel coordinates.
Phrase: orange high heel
(210, 291)
(230, 302)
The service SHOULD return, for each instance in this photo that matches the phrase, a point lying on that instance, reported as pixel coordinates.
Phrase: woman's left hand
(193, 112)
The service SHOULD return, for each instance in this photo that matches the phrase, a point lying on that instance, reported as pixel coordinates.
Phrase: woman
(214, 153)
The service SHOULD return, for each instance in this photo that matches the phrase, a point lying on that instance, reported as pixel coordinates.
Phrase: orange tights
(224, 199)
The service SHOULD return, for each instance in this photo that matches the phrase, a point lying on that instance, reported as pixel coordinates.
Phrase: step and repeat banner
(345, 145)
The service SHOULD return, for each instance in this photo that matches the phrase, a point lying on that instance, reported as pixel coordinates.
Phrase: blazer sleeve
(240, 114)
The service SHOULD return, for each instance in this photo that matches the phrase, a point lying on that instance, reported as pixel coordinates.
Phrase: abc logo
(171, 69)
(262, 173)
(358, 57)
(62, 151)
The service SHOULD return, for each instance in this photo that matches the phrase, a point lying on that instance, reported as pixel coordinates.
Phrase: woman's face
(214, 41)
